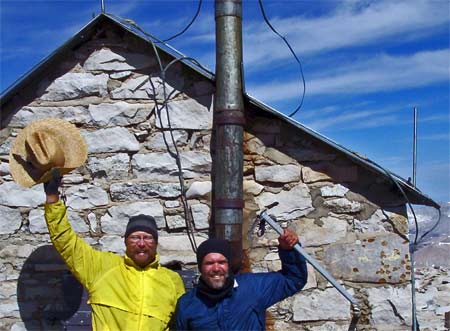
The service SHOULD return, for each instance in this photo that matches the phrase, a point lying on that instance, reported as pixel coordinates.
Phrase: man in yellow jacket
(133, 292)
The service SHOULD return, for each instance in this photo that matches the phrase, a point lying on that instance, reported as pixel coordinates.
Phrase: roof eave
(415, 195)
(30, 75)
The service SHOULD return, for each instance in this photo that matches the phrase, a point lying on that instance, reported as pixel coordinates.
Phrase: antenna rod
(103, 6)
(412, 245)
(415, 147)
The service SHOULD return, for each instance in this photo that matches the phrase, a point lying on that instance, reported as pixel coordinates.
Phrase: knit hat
(43, 145)
(142, 223)
(213, 246)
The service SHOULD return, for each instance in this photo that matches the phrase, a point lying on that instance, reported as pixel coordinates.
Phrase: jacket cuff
(55, 205)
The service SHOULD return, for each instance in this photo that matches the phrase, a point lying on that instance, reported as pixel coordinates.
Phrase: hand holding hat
(43, 146)
(52, 186)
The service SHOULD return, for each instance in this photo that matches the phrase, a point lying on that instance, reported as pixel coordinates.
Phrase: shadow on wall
(48, 296)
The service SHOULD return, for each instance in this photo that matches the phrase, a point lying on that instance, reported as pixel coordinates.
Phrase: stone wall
(111, 88)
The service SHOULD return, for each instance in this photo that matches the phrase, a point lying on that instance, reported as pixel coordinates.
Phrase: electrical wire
(432, 228)
(164, 106)
(188, 218)
(156, 40)
(188, 26)
(293, 53)
(412, 246)
(136, 28)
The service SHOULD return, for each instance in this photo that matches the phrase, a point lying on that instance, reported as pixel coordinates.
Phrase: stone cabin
(106, 80)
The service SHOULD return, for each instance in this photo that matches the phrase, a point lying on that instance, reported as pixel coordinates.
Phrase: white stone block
(200, 214)
(252, 187)
(107, 60)
(172, 204)
(73, 114)
(113, 244)
(318, 305)
(187, 114)
(14, 195)
(119, 113)
(332, 229)
(110, 167)
(199, 189)
(75, 85)
(4, 169)
(162, 140)
(278, 173)
(131, 191)
(11, 220)
(163, 166)
(86, 196)
(292, 204)
(390, 307)
(176, 222)
(343, 206)
(110, 140)
(333, 191)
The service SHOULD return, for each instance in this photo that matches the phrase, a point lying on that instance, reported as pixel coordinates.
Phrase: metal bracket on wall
(229, 116)
(229, 203)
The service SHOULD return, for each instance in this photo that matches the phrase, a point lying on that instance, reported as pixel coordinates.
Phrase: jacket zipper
(141, 299)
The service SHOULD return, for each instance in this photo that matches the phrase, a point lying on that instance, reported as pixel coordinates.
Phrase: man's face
(214, 270)
(141, 248)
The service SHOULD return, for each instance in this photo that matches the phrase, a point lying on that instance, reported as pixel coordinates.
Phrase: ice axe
(263, 218)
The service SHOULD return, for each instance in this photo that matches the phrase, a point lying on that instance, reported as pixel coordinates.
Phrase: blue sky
(366, 65)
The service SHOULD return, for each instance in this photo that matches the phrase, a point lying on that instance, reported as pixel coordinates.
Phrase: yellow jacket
(122, 295)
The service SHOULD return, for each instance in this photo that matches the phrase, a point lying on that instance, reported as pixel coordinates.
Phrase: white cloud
(122, 8)
(378, 74)
(386, 73)
(436, 137)
(353, 119)
(346, 27)
(442, 118)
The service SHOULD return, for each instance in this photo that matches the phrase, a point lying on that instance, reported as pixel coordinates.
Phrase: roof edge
(28, 75)
(365, 162)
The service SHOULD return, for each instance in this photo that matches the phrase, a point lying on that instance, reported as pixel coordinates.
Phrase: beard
(216, 281)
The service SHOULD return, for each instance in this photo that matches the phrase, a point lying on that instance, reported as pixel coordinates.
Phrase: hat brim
(68, 137)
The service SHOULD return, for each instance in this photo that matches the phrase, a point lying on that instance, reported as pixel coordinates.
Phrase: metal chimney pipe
(229, 123)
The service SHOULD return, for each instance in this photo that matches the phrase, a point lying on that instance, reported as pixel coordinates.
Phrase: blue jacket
(245, 308)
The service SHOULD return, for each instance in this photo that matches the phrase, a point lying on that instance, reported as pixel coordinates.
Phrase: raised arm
(79, 256)
(276, 286)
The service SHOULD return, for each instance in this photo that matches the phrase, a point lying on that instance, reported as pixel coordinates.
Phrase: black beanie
(213, 246)
(142, 223)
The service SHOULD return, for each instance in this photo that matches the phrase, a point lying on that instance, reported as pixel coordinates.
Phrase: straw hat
(43, 145)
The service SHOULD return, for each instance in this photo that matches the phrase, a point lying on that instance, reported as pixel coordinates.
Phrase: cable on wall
(412, 246)
(164, 107)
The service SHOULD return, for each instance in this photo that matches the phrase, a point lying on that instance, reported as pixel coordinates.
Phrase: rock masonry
(111, 88)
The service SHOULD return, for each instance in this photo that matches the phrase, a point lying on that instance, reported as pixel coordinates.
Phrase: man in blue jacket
(222, 301)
